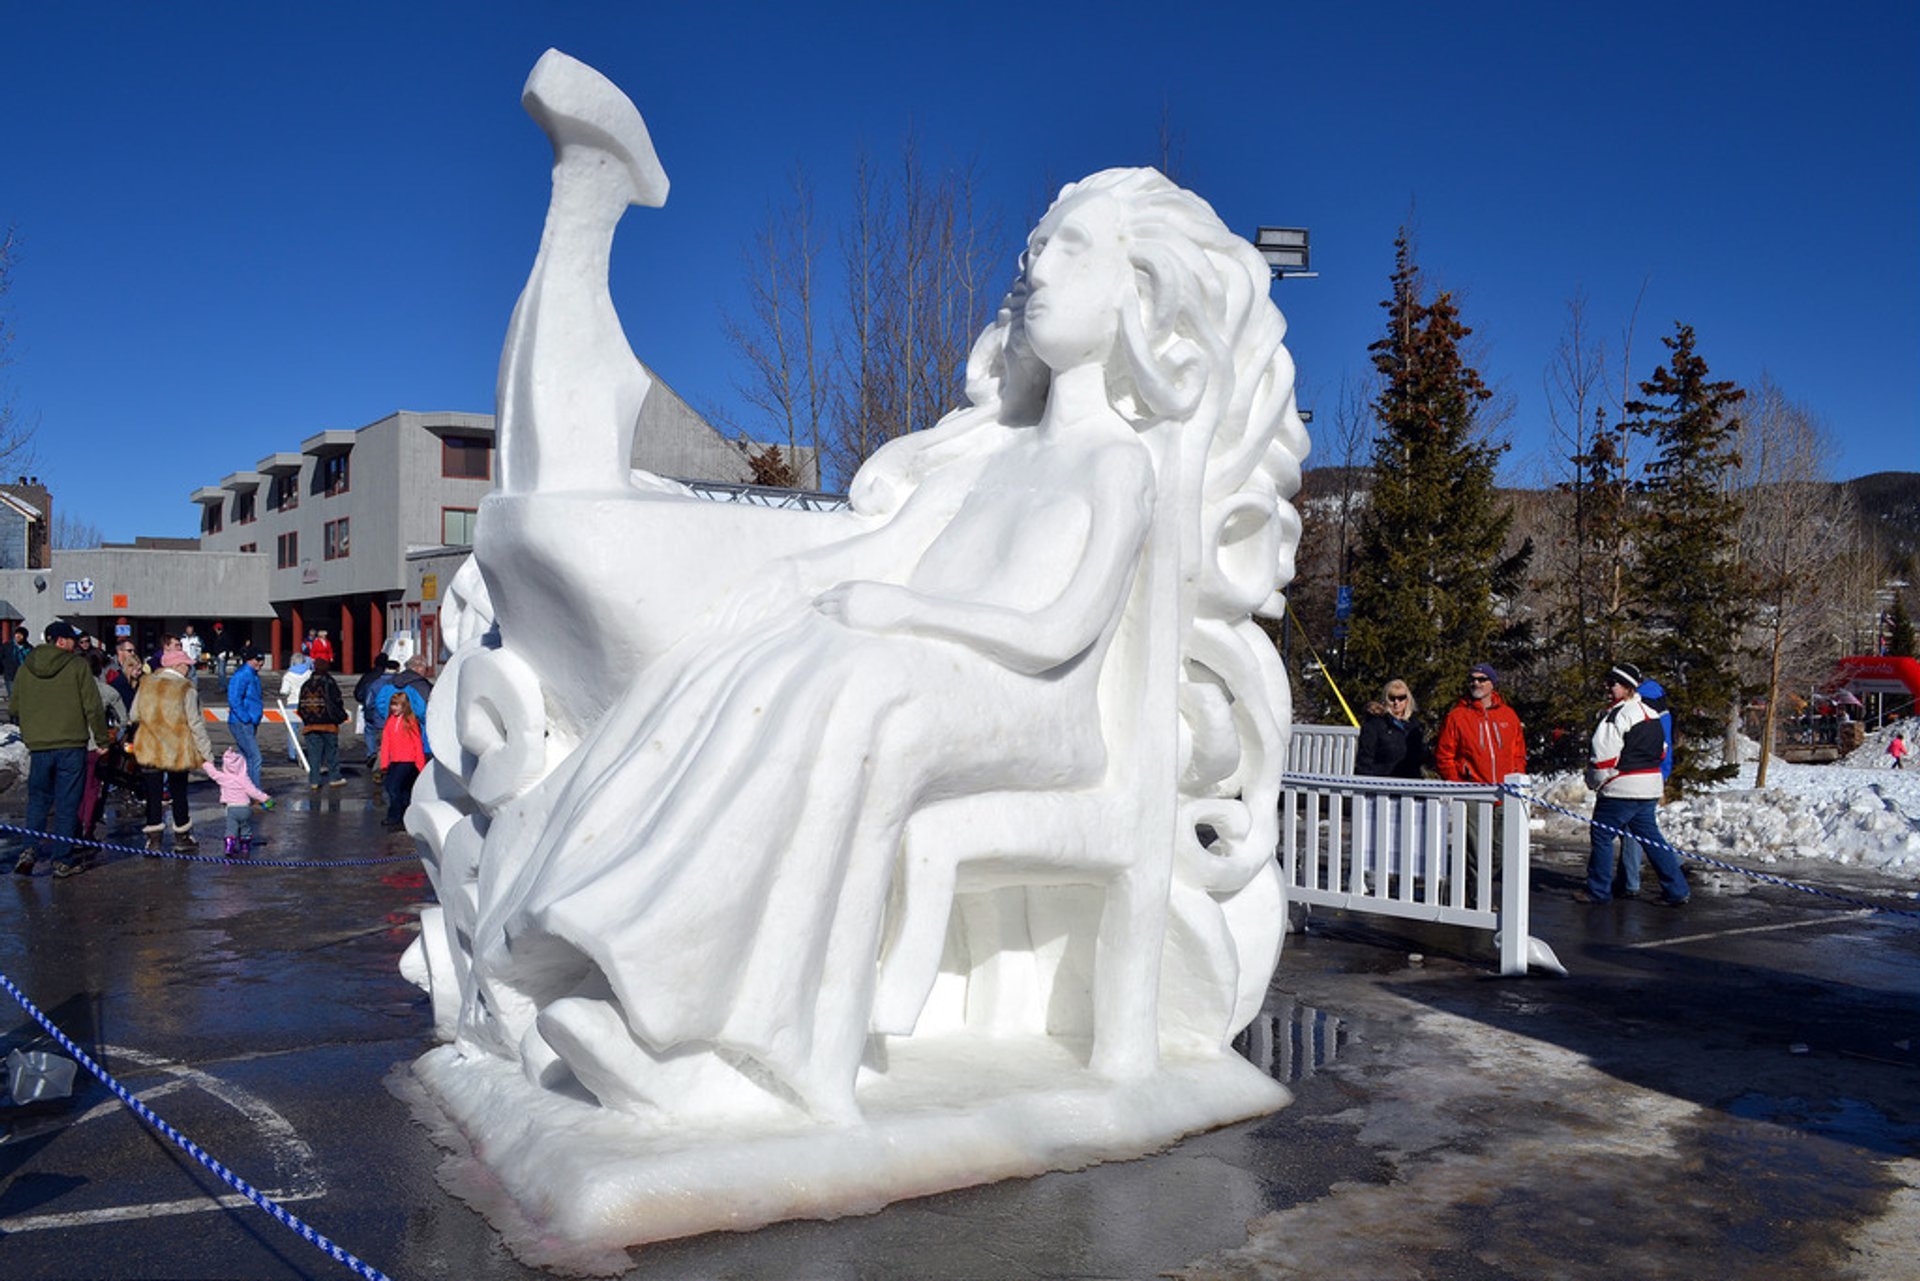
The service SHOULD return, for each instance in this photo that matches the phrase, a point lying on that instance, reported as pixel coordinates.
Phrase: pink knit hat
(175, 658)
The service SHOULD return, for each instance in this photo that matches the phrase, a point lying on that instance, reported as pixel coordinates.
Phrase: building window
(243, 507)
(466, 457)
(249, 547)
(330, 477)
(336, 536)
(285, 494)
(210, 518)
(456, 526)
(289, 549)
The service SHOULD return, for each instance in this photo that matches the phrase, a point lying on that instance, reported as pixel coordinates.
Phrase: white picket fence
(1402, 848)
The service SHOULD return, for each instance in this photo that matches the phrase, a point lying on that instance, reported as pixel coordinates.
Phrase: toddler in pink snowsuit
(236, 793)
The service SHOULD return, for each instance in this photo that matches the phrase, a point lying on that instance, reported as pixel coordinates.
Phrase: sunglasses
(1478, 680)
(1396, 698)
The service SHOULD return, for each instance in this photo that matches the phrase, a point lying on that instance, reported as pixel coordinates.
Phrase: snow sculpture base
(951, 1112)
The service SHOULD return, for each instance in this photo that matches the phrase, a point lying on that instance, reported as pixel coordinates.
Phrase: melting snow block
(38, 1076)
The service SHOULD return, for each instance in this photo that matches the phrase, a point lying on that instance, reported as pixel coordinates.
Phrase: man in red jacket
(1481, 741)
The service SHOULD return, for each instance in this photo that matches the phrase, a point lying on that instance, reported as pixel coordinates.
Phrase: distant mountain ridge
(1890, 506)
(1889, 502)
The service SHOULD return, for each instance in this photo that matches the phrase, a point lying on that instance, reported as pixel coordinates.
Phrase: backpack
(318, 704)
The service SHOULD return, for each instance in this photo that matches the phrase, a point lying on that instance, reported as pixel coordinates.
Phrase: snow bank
(1841, 813)
(14, 757)
(1872, 752)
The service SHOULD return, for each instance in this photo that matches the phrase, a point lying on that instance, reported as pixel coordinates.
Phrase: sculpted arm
(1121, 497)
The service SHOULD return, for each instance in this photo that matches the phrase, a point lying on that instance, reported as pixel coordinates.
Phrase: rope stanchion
(285, 1216)
(1707, 861)
(79, 842)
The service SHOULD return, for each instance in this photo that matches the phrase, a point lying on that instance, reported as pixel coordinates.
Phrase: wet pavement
(1729, 1090)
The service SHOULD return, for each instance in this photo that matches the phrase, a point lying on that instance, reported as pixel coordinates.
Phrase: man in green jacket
(57, 705)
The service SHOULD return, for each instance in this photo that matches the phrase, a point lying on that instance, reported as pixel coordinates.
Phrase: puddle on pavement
(1846, 1120)
(1290, 1041)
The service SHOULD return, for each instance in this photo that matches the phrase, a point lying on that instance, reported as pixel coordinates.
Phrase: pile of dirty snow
(14, 757)
(1845, 814)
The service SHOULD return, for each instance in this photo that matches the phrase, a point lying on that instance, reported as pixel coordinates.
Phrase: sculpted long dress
(717, 856)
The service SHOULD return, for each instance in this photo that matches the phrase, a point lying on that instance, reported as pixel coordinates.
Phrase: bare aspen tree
(1171, 145)
(1795, 526)
(858, 430)
(16, 434)
(840, 370)
(70, 533)
(919, 269)
(785, 381)
(1577, 427)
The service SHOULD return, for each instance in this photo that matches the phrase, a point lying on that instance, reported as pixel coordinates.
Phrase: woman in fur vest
(170, 739)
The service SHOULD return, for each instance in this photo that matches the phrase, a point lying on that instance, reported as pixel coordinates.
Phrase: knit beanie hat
(1626, 674)
(175, 658)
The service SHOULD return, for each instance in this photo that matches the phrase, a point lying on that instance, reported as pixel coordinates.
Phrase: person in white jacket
(1624, 769)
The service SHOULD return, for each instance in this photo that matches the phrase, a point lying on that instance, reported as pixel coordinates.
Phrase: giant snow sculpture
(793, 863)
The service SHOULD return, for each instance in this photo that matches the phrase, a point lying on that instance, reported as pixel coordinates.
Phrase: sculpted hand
(866, 606)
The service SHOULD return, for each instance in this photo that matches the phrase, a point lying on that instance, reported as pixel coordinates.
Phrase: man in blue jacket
(370, 693)
(245, 707)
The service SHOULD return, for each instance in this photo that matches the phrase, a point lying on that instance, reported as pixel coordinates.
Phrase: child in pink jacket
(236, 791)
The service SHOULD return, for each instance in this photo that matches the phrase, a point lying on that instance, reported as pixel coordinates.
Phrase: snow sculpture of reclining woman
(795, 823)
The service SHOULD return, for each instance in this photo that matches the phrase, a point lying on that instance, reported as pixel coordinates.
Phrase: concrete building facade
(355, 532)
(332, 521)
(352, 526)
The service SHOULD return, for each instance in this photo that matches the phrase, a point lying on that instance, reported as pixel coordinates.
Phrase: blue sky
(244, 224)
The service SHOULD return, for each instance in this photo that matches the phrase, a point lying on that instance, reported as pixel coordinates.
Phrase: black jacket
(1390, 749)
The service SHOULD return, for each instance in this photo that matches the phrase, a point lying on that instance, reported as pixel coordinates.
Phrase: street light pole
(1288, 253)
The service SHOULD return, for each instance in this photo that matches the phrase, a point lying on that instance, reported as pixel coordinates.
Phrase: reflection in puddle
(1290, 1041)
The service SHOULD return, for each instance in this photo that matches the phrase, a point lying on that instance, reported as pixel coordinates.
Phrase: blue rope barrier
(1767, 877)
(285, 1216)
(144, 852)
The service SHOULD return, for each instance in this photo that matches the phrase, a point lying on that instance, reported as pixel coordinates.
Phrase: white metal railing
(1322, 749)
(1419, 850)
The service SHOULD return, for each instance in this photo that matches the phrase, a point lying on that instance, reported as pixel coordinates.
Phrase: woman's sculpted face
(1078, 276)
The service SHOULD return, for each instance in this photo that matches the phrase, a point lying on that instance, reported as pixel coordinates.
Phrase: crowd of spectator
(98, 722)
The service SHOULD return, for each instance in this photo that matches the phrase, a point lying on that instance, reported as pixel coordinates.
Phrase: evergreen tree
(1430, 566)
(1691, 597)
(1900, 631)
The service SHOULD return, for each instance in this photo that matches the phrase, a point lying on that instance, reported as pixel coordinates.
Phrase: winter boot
(154, 837)
(183, 842)
(245, 849)
(233, 846)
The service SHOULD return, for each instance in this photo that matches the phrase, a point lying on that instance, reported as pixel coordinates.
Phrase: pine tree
(1900, 636)
(1692, 598)
(1430, 560)
(772, 468)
